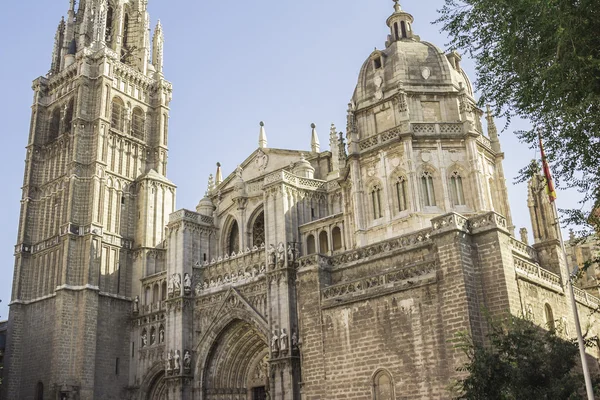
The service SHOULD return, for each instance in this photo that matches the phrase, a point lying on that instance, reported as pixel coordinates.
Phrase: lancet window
(376, 201)
(233, 240)
(68, 118)
(383, 389)
(258, 230)
(310, 245)
(456, 189)
(427, 189)
(138, 122)
(336, 238)
(109, 24)
(402, 193)
(550, 323)
(323, 243)
(117, 114)
(54, 130)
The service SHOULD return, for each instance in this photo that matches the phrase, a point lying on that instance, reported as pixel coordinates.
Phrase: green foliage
(519, 361)
(540, 60)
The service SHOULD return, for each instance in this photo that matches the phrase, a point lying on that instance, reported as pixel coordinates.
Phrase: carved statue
(272, 255)
(161, 335)
(176, 359)
(144, 339)
(238, 171)
(187, 284)
(284, 341)
(177, 284)
(281, 253)
(136, 305)
(170, 288)
(170, 361)
(198, 288)
(291, 253)
(294, 340)
(187, 361)
(275, 342)
(152, 336)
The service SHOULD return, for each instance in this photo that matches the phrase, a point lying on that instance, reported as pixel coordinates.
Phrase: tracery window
(117, 114)
(427, 189)
(456, 189)
(258, 230)
(376, 202)
(54, 129)
(233, 240)
(402, 193)
(383, 389)
(138, 122)
(109, 24)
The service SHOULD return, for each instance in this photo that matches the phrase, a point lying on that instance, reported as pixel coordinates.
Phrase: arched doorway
(158, 388)
(236, 367)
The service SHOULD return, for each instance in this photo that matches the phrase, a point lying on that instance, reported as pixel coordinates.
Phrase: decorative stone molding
(449, 222)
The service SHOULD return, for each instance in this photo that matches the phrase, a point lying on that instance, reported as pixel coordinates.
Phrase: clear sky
(232, 64)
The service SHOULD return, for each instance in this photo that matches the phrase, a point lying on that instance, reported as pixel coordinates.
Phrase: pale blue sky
(232, 64)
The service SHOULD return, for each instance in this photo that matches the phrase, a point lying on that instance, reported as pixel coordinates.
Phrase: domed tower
(417, 148)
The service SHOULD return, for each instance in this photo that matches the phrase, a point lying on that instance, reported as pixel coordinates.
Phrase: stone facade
(340, 274)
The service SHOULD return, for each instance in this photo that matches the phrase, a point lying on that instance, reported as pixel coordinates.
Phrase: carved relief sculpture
(187, 284)
(187, 362)
(284, 341)
(275, 343)
(177, 362)
(161, 335)
(272, 255)
(136, 305)
(170, 362)
(281, 253)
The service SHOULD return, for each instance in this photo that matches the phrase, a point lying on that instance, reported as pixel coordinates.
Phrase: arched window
(396, 33)
(161, 334)
(323, 243)
(117, 114)
(39, 391)
(403, 28)
(163, 291)
(427, 188)
(109, 24)
(126, 30)
(147, 299)
(68, 118)
(402, 193)
(54, 130)
(456, 189)
(258, 230)
(376, 201)
(138, 122)
(550, 323)
(233, 240)
(336, 238)
(155, 293)
(383, 388)
(310, 245)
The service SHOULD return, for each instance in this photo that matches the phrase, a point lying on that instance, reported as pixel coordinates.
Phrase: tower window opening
(456, 189)
(310, 245)
(396, 33)
(138, 122)
(377, 63)
(401, 193)
(427, 189)
(404, 30)
(323, 243)
(336, 238)
(126, 30)
(117, 367)
(54, 130)
(68, 117)
(117, 114)
(109, 25)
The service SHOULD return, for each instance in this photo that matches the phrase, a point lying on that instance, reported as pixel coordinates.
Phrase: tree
(539, 60)
(519, 361)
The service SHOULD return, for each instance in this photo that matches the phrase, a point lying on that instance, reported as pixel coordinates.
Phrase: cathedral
(306, 274)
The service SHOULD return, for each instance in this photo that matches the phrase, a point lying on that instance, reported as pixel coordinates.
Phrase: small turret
(493, 131)
(315, 146)
(262, 136)
(400, 24)
(58, 50)
(334, 148)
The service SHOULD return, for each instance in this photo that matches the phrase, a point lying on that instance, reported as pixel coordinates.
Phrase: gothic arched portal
(237, 364)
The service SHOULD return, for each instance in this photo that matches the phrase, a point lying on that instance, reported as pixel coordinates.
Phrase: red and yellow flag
(549, 182)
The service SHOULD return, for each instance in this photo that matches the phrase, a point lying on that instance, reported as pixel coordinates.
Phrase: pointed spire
(58, 49)
(334, 148)
(342, 155)
(219, 175)
(315, 146)
(211, 183)
(158, 48)
(262, 136)
(492, 130)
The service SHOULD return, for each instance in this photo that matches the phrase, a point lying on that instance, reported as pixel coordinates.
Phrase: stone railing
(406, 241)
(410, 276)
(537, 274)
(522, 248)
(585, 298)
(233, 269)
(191, 216)
(384, 137)
(419, 128)
(484, 141)
(296, 181)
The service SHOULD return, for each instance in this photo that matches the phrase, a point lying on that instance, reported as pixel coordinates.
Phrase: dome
(205, 207)
(407, 63)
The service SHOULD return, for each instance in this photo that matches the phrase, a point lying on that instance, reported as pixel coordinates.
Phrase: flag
(549, 182)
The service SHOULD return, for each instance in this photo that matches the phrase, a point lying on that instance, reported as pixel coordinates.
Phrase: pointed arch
(375, 199)
(54, 129)
(549, 315)
(117, 117)
(110, 16)
(310, 245)
(68, 118)
(400, 190)
(231, 238)
(138, 123)
(256, 227)
(427, 185)
(382, 385)
(457, 194)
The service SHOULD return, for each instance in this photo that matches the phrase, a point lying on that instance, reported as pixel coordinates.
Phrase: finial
(262, 136)
(219, 175)
(397, 7)
(315, 146)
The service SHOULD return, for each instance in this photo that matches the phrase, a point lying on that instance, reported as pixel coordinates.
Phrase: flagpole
(569, 283)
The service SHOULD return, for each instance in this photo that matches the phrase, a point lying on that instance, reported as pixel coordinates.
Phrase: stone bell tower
(94, 193)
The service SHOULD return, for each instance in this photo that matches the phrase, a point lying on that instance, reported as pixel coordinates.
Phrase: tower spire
(158, 48)
(262, 136)
(492, 130)
(315, 146)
